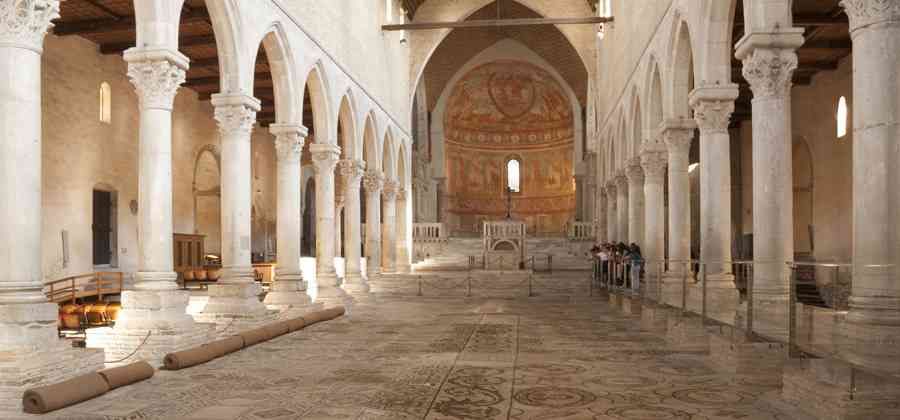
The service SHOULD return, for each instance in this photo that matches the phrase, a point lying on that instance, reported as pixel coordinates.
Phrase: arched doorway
(207, 199)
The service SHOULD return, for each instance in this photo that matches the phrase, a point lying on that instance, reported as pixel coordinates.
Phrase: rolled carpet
(189, 357)
(53, 397)
(126, 375)
(324, 315)
(255, 336)
(278, 329)
(296, 324)
(226, 345)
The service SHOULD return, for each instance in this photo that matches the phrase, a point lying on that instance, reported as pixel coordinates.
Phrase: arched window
(512, 175)
(842, 117)
(105, 103)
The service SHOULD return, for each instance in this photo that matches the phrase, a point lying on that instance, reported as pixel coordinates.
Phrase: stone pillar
(678, 136)
(235, 296)
(600, 220)
(403, 226)
(653, 162)
(289, 288)
(338, 226)
(441, 199)
(388, 227)
(612, 214)
(579, 198)
(712, 111)
(622, 208)
(635, 175)
(156, 304)
(31, 354)
(872, 327)
(769, 64)
(352, 173)
(373, 183)
(325, 157)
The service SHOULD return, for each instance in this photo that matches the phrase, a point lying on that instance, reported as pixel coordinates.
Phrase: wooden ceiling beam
(123, 23)
(495, 23)
(187, 41)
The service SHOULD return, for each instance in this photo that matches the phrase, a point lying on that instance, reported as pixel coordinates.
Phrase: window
(105, 103)
(842, 117)
(512, 175)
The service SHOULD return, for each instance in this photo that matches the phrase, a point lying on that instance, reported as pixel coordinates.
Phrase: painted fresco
(502, 110)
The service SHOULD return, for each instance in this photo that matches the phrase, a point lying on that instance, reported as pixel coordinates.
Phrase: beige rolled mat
(53, 397)
(126, 375)
(226, 345)
(324, 315)
(296, 324)
(278, 329)
(189, 357)
(255, 336)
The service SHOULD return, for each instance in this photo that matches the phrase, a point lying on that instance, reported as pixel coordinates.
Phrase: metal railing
(581, 231)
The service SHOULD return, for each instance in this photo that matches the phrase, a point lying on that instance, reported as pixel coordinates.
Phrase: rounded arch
(621, 142)
(370, 143)
(346, 129)
(225, 21)
(317, 89)
(281, 64)
(654, 103)
(637, 126)
(203, 151)
(402, 165)
(683, 71)
(388, 157)
(718, 16)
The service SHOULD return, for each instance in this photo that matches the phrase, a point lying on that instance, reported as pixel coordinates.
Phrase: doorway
(104, 228)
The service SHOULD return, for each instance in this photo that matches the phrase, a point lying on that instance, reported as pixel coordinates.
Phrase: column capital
(633, 171)
(610, 186)
(654, 165)
(352, 171)
(678, 135)
(621, 182)
(390, 190)
(373, 181)
(769, 71)
(156, 75)
(235, 113)
(24, 23)
(713, 106)
(289, 140)
(325, 157)
(865, 13)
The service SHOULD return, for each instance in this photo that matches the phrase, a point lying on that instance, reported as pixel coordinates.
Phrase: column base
(687, 333)
(631, 304)
(287, 292)
(876, 347)
(327, 291)
(232, 303)
(770, 316)
(741, 356)
(355, 284)
(654, 318)
(670, 290)
(44, 365)
(722, 299)
(829, 389)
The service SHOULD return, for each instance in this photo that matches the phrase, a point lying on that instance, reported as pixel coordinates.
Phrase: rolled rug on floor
(324, 315)
(73, 391)
(255, 336)
(296, 324)
(278, 329)
(226, 345)
(189, 357)
(118, 377)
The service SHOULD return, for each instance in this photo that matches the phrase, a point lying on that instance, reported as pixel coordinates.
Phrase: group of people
(618, 264)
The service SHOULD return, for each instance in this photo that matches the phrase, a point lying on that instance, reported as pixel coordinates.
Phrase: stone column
(622, 207)
(352, 171)
(338, 226)
(388, 227)
(31, 354)
(579, 198)
(325, 157)
(441, 199)
(712, 111)
(600, 220)
(373, 181)
(235, 296)
(872, 327)
(612, 214)
(678, 136)
(289, 288)
(653, 162)
(403, 227)
(635, 175)
(769, 64)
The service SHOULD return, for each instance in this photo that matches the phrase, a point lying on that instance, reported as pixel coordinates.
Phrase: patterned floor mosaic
(450, 359)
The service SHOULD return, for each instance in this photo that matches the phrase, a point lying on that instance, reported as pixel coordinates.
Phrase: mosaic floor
(449, 359)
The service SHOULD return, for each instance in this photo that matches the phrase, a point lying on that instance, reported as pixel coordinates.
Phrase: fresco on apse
(506, 109)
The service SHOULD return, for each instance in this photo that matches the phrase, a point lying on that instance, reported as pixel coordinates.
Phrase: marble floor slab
(465, 359)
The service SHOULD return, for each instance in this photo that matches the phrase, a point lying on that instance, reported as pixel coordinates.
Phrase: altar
(504, 245)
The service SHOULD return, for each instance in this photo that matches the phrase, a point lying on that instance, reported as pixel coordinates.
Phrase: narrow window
(105, 102)
(842, 116)
(512, 175)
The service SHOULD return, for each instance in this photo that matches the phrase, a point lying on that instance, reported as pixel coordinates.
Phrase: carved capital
(633, 171)
(622, 183)
(352, 171)
(23, 23)
(654, 165)
(769, 71)
(235, 114)
(373, 182)
(864, 13)
(289, 141)
(325, 157)
(678, 140)
(713, 116)
(390, 190)
(156, 76)
(402, 194)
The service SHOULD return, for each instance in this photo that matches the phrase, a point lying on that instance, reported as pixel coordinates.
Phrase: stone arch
(317, 88)
(803, 174)
(275, 43)
(370, 143)
(654, 103)
(621, 141)
(207, 196)
(224, 18)
(637, 126)
(682, 71)
(717, 50)
(388, 156)
(346, 137)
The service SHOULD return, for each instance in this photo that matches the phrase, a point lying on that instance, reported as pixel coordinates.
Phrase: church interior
(449, 209)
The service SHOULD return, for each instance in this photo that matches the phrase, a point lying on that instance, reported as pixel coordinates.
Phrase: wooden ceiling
(412, 6)
(827, 43)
